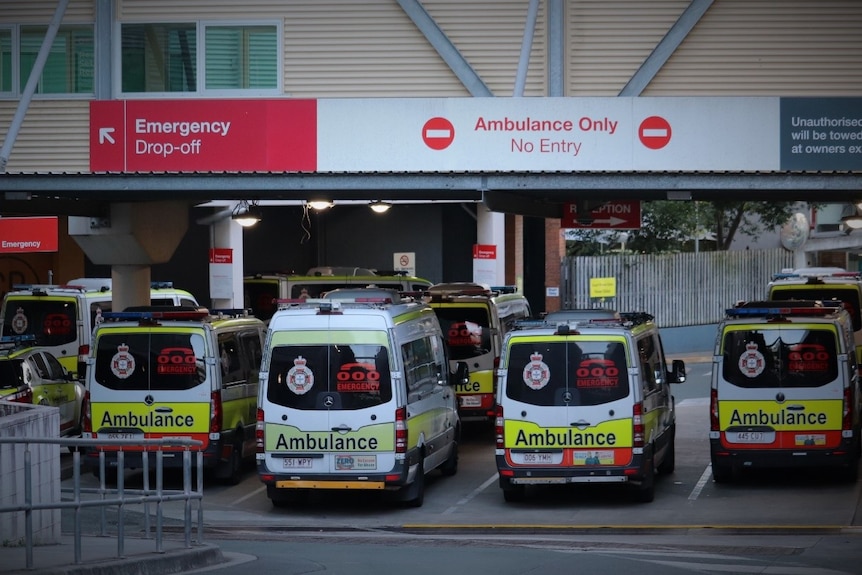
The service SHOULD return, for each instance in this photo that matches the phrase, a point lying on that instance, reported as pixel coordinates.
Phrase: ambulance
(823, 283)
(175, 372)
(475, 318)
(785, 389)
(62, 317)
(356, 394)
(262, 290)
(585, 401)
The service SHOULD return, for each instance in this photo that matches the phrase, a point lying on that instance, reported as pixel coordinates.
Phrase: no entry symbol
(438, 133)
(654, 132)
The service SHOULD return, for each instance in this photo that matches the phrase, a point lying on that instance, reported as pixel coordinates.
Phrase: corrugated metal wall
(55, 136)
(678, 289)
(41, 11)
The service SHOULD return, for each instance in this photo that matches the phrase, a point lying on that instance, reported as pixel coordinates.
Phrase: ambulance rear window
(567, 373)
(849, 295)
(150, 361)
(53, 322)
(260, 297)
(11, 374)
(467, 330)
(322, 377)
(777, 358)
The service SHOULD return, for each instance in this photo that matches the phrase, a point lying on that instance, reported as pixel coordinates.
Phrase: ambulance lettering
(371, 438)
(608, 434)
(782, 418)
(145, 420)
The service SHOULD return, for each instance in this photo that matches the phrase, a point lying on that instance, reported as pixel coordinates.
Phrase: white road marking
(466, 499)
(707, 473)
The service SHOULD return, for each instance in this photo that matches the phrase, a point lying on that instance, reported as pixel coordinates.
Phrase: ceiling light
(321, 204)
(380, 207)
(852, 222)
(246, 214)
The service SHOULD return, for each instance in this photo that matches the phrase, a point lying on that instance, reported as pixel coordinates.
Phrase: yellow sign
(603, 287)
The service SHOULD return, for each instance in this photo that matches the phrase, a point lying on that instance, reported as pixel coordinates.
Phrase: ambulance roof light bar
(817, 276)
(195, 315)
(769, 308)
(8, 342)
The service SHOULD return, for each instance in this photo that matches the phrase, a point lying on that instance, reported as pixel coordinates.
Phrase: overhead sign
(477, 134)
(203, 135)
(28, 235)
(618, 215)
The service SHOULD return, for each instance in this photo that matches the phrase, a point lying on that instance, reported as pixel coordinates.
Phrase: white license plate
(297, 462)
(546, 458)
(554, 458)
(471, 401)
(133, 436)
(751, 437)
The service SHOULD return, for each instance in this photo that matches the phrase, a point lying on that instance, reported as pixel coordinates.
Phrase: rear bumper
(171, 459)
(845, 454)
(509, 475)
(395, 479)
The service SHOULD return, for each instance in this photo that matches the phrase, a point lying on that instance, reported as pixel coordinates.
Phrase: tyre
(414, 494)
(668, 464)
(645, 492)
(514, 493)
(450, 466)
(233, 474)
(722, 473)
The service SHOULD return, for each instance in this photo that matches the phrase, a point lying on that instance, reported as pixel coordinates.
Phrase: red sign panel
(618, 215)
(203, 135)
(221, 256)
(654, 132)
(484, 251)
(438, 133)
(28, 235)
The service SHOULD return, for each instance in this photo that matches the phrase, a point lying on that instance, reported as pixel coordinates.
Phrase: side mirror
(677, 371)
(461, 375)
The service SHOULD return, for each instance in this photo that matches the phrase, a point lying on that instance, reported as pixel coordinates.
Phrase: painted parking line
(467, 498)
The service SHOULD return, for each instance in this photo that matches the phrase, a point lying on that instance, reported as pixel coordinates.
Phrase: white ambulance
(355, 394)
(785, 389)
(61, 318)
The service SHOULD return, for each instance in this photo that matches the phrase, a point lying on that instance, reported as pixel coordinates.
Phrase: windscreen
(777, 358)
(52, 322)
(260, 298)
(848, 295)
(310, 377)
(467, 330)
(11, 374)
(567, 373)
(150, 360)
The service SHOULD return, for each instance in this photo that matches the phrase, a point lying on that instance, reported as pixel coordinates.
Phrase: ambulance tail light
(258, 432)
(637, 425)
(83, 352)
(498, 428)
(215, 412)
(713, 410)
(401, 430)
(86, 414)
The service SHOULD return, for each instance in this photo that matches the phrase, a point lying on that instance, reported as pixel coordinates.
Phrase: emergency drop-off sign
(477, 134)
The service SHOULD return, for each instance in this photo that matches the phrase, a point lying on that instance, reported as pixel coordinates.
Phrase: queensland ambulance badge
(123, 363)
(752, 362)
(300, 379)
(537, 373)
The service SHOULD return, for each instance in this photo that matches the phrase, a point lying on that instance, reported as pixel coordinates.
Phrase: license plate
(545, 458)
(297, 462)
(133, 436)
(471, 401)
(751, 437)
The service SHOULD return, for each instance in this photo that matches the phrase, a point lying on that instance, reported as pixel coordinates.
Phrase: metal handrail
(119, 496)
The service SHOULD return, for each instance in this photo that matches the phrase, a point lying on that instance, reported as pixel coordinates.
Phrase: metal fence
(678, 289)
(79, 498)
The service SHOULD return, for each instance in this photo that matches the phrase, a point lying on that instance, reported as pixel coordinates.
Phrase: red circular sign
(654, 132)
(438, 133)
(404, 260)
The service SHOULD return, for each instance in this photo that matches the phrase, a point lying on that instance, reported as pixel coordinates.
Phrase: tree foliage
(676, 226)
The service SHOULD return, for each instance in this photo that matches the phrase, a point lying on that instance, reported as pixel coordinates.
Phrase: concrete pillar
(491, 230)
(226, 233)
(133, 237)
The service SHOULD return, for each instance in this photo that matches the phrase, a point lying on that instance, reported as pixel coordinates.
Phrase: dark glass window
(52, 322)
(783, 357)
(567, 373)
(467, 330)
(150, 361)
(848, 295)
(329, 376)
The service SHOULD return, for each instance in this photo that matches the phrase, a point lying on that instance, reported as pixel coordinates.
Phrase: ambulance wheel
(645, 492)
(722, 473)
(668, 464)
(514, 493)
(450, 466)
(234, 464)
(414, 494)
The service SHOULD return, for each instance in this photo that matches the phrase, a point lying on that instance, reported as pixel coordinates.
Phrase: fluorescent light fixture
(320, 204)
(380, 207)
(246, 214)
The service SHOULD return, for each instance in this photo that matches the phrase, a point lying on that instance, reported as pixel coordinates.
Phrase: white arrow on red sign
(105, 134)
